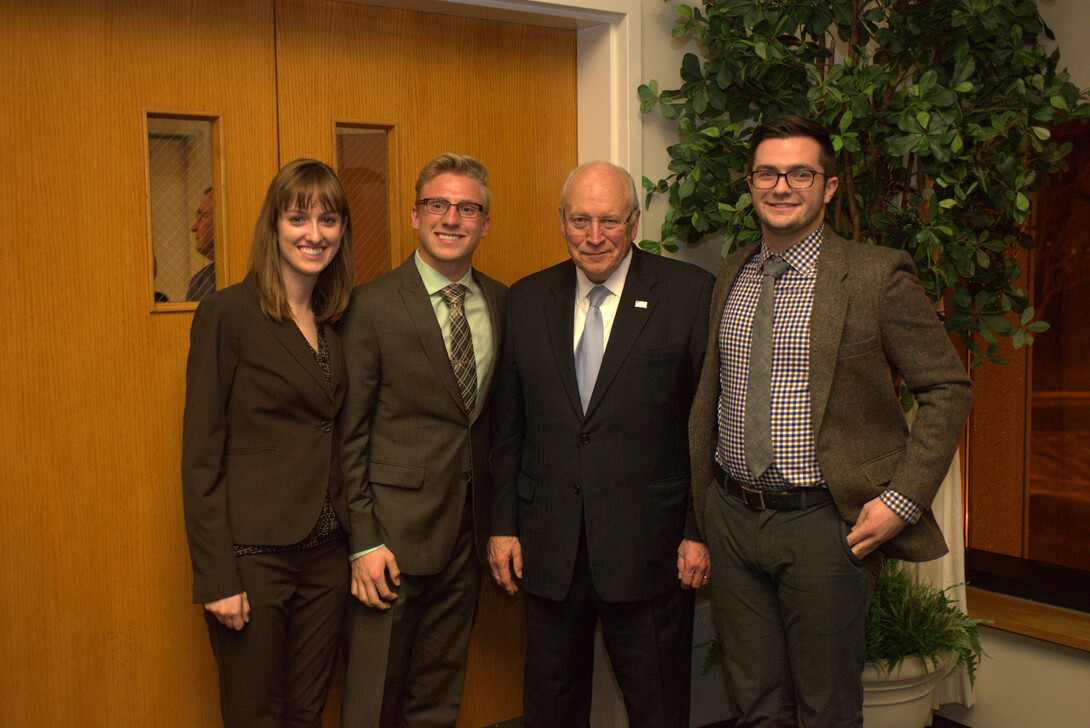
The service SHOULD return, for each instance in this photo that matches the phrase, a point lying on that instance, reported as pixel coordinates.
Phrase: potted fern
(916, 635)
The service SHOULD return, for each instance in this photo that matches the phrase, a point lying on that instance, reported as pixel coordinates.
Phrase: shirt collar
(802, 256)
(434, 281)
(614, 284)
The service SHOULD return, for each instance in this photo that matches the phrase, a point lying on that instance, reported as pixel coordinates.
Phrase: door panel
(98, 627)
(501, 92)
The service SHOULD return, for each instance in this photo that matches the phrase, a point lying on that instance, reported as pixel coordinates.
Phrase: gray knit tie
(758, 416)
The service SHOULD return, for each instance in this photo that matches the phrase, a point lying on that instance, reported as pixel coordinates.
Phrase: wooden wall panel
(997, 437)
(98, 628)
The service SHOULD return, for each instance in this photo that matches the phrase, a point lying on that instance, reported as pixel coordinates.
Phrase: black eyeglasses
(439, 206)
(797, 179)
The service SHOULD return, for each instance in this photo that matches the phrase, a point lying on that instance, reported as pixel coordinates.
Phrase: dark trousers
(275, 671)
(649, 644)
(790, 604)
(419, 644)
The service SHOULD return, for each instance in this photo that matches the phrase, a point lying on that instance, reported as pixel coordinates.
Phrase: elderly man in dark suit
(591, 502)
(420, 345)
(800, 448)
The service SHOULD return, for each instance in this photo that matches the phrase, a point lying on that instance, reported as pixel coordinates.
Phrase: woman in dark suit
(265, 509)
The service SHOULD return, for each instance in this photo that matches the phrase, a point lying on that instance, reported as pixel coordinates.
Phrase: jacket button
(326, 426)
(577, 490)
(584, 439)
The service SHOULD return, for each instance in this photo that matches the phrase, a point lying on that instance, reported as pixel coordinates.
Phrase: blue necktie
(588, 354)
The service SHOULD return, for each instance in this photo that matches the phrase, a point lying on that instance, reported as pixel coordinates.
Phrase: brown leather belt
(783, 499)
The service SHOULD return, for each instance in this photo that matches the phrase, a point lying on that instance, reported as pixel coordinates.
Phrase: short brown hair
(459, 164)
(792, 127)
(301, 184)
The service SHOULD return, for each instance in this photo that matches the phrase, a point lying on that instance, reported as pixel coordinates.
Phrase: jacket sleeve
(919, 350)
(698, 345)
(363, 364)
(507, 432)
(210, 371)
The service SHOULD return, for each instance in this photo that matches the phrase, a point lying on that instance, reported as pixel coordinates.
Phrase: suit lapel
(560, 325)
(826, 323)
(418, 306)
(292, 339)
(627, 324)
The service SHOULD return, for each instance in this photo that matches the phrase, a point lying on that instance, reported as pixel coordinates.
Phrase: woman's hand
(233, 612)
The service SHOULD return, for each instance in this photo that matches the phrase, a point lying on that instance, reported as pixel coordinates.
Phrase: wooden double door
(98, 628)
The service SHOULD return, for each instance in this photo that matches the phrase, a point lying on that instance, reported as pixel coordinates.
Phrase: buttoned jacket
(621, 470)
(411, 449)
(259, 443)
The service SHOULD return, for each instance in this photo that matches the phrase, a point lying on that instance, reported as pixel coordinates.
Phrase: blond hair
(460, 164)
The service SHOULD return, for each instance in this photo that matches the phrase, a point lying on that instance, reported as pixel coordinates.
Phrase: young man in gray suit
(420, 345)
(590, 462)
(800, 449)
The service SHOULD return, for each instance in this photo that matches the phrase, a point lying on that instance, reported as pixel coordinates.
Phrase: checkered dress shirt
(795, 463)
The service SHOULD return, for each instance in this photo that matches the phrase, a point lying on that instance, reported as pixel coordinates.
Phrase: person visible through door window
(203, 281)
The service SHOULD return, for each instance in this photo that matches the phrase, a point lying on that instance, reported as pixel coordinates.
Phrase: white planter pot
(901, 698)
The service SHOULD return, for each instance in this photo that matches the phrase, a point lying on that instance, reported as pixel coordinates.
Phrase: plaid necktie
(461, 344)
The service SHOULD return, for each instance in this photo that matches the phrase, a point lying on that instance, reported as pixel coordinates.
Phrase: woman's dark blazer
(260, 447)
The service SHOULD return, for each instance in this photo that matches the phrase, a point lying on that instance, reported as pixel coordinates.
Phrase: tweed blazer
(871, 322)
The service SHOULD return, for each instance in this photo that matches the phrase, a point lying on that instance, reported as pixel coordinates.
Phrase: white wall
(1025, 682)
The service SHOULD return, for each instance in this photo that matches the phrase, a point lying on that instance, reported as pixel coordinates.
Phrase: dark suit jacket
(623, 469)
(870, 321)
(410, 448)
(259, 442)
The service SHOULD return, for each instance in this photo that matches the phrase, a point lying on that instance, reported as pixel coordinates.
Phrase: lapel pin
(641, 304)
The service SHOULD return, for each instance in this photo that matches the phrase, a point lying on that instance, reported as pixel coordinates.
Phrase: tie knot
(597, 295)
(454, 294)
(775, 267)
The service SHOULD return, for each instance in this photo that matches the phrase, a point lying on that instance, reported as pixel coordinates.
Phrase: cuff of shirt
(906, 508)
(353, 557)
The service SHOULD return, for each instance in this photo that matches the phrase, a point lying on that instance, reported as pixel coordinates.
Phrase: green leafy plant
(940, 111)
(912, 617)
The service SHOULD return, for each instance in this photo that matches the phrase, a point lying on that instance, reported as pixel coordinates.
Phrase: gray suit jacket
(410, 448)
(871, 321)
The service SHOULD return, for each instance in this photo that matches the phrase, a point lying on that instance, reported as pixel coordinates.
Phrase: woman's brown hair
(301, 184)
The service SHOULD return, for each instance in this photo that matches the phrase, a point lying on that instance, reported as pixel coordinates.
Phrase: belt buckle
(760, 498)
